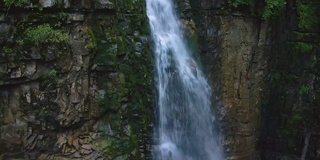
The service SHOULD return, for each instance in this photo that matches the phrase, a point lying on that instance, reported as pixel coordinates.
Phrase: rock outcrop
(264, 72)
(75, 80)
(234, 48)
(290, 123)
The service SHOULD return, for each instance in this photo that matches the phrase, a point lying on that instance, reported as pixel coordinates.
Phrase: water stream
(185, 129)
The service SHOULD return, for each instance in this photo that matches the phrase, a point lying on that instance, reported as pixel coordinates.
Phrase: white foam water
(186, 125)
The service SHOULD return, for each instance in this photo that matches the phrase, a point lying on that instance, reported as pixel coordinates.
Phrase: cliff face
(88, 95)
(234, 47)
(75, 80)
(290, 128)
(264, 72)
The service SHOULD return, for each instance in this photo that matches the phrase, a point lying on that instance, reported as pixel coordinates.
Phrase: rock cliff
(262, 60)
(290, 119)
(75, 80)
(234, 48)
(76, 77)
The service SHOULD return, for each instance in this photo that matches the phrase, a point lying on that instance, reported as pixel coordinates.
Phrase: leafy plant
(301, 47)
(292, 128)
(236, 3)
(304, 90)
(307, 17)
(314, 61)
(50, 80)
(52, 74)
(58, 3)
(303, 35)
(7, 50)
(46, 34)
(17, 3)
(273, 8)
(275, 77)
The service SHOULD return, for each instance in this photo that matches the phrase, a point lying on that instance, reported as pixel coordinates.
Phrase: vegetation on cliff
(80, 72)
(291, 125)
(294, 79)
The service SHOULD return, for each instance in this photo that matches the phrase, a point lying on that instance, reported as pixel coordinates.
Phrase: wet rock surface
(233, 49)
(264, 86)
(76, 92)
(89, 97)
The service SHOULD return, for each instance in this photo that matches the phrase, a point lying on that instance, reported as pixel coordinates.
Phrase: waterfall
(185, 128)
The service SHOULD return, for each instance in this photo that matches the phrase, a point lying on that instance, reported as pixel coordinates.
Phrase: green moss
(49, 81)
(52, 74)
(122, 52)
(44, 34)
(17, 3)
(275, 77)
(237, 3)
(58, 3)
(129, 6)
(273, 8)
(98, 5)
(131, 87)
(292, 130)
(192, 42)
(303, 90)
(307, 18)
(92, 36)
(314, 61)
(301, 47)
(90, 45)
(105, 47)
(7, 50)
(107, 56)
(303, 36)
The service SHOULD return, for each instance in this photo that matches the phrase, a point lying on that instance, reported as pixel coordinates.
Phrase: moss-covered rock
(75, 85)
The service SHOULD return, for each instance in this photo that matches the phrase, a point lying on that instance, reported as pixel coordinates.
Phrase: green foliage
(278, 77)
(17, 3)
(58, 3)
(52, 74)
(301, 47)
(46, 34)
(93, 43)
(301, 36)
(273, 8)
(109, 55)
(275, 77)
(115, 147)
(314, 61)
(307, 17)
(192, 42)
(304, 90)
(90, 45)
(127, 93)
(50, 80)
(292, 129)
(7, 50)
(236, 3)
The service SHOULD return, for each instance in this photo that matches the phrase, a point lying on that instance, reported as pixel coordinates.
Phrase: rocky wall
(75, 80)
(291, 111)
(234, 48)
(265, 75)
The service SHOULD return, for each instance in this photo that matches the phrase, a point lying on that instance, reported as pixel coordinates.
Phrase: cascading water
(185, 130)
